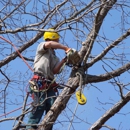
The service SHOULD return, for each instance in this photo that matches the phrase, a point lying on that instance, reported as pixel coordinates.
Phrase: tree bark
(65, 95)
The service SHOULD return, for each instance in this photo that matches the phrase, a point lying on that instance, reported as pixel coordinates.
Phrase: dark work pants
(35, 117)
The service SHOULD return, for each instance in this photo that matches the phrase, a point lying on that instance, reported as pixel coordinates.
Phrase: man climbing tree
(99, 30)
(42, 85)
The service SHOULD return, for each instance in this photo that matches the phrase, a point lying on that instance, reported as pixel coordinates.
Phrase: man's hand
(67, 50)
(72, 56)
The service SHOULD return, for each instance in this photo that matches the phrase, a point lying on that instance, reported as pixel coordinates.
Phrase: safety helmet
(51, 35)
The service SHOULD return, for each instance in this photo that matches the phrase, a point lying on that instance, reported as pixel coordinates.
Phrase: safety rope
(17, 52)
(79, 94)
(79, 97)
(80, 82)
(71, 121)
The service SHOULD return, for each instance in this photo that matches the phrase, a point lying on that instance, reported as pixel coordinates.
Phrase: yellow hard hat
(51, 35)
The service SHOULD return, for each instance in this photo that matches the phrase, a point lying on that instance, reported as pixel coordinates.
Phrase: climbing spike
(81, 98)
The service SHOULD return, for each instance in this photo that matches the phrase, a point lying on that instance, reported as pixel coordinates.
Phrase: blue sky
(104, 92)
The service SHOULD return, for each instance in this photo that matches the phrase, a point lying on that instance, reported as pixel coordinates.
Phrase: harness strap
(36, 102)
(39, 83)
(35, 77)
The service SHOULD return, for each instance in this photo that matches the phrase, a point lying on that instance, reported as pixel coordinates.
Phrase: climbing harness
(79, 95)
(39, 83)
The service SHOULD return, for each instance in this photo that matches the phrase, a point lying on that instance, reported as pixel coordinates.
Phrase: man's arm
(55, 45)
(57, 68)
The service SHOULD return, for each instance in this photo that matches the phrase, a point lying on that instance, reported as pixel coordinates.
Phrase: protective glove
(72, 56)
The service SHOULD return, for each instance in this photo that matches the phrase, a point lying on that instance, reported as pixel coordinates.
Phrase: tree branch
(62, 100)
(101, 55)
(107, 76)
(116, 108)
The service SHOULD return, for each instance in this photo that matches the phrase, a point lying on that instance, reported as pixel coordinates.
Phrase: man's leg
(49, 102)
(35, 116)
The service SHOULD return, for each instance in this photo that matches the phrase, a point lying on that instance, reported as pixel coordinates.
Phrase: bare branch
(114, 44)
(116, 108)
(107, 76)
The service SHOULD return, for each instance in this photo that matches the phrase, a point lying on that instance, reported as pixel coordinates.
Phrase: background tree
(99, 30)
